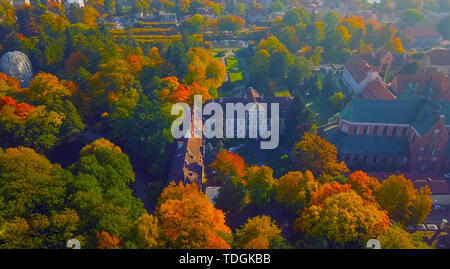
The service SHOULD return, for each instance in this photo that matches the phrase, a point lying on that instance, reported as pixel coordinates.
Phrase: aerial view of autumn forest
(224, 124)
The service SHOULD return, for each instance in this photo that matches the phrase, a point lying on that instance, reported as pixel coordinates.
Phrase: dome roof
(17, 64)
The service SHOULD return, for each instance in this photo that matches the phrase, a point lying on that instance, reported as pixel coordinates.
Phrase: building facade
(358, 74)
(405, 134)
(187, 163)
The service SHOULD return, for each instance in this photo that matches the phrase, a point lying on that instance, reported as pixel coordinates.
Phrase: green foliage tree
(444, 27)
(230, 23)
(147, 120)
(279, 63)
(232, 196)
(295, 16)
(101, 192)
(337, 101)
(408, 4)
(33, 202)
(297, 73)
(412, 16)
(276, 6)
(260, 184)
(336, 45)
(300, 119)
(259, 68)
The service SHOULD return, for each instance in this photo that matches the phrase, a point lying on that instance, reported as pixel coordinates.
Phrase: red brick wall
(418, 148)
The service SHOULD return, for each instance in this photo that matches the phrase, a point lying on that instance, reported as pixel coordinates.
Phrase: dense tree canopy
(227, 164)
(257, 233)
(317, 155)
(176, 206)
(404, 203)
(34, 211)
(353, 220)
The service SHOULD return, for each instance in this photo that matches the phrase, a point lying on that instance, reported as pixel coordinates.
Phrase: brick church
(408, 133)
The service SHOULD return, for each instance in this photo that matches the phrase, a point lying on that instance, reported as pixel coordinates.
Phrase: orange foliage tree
(135, 62)
(90, 17)
(9, 85)
(227, 164)
(189, 220)
(326, 190)
(175, 91)
(107, 241)
(363, 184)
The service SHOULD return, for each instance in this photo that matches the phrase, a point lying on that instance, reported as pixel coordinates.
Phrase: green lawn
(282, 94)
(232, 62)
(233, 69)
(320, 105)
(235, 76)
(217, 51)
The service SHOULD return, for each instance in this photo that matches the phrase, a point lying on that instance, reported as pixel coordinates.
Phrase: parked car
(421, 227)
(234, 149)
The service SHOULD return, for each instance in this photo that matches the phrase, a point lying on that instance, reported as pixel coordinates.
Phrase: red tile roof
(437, 184)
(421, 32)
(441, 84)
(378, 89)
(251, 94)
(439, 57)
(358, 68)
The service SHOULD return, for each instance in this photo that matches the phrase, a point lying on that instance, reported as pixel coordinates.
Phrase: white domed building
(17, 64)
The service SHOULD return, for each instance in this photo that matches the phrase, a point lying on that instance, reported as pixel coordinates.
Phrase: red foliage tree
(22, 110)
(319, 197)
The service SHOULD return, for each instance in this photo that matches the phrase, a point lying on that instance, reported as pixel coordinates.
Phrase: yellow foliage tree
(404, 203)
(90, 17)
(257, 233)
(396, 238)
(148, 232)
(97, 144)
(48, 88)
(314, 153)
(394, 45)
(295, 188)
(204, 68)
(344, 217)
